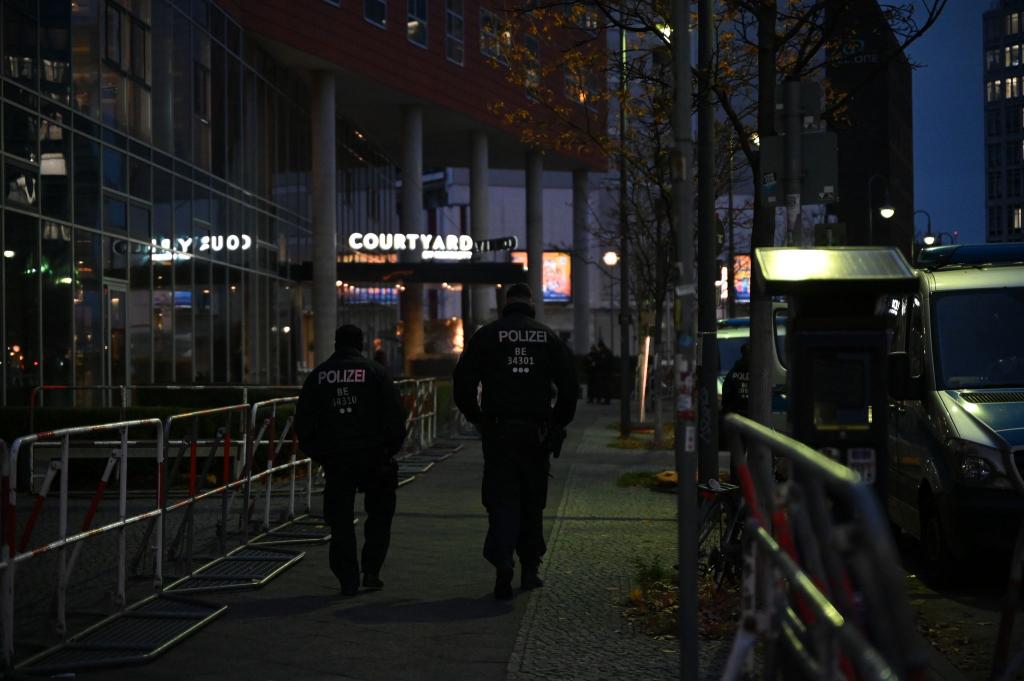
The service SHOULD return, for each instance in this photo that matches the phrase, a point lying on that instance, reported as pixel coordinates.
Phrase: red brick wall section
(342, 36)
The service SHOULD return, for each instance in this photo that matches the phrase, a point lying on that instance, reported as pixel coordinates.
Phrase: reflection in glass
(20, 33)
(58, 296)
(21, 185)
(114, 169)
(163, 321)
(115, 214)
(55, 145)
(219, 321)
(88, 317)
(139, 319)
(21, 131)
(87, 181)
(55, 49)
(21, 282)
(203, 300)
(85, 56)
(183, 345)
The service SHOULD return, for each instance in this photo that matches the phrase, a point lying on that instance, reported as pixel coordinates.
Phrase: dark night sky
(949, 177)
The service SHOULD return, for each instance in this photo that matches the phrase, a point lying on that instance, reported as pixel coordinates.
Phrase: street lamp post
(885, 210)
(611, 259)
(924, 240)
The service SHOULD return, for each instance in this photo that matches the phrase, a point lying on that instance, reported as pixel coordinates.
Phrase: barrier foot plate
(135, 635)
(405, 468)
(405, 479)
(301, 530)
(246, 567)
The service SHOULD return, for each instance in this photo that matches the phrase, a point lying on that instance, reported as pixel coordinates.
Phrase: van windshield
(978, 338)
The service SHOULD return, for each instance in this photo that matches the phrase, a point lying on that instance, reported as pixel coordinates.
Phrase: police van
(957, 401)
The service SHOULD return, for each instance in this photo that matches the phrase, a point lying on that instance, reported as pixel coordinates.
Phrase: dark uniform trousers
(378, 484)
(515, 491)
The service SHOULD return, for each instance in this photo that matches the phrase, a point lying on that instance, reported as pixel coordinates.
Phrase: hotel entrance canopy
(430, 272)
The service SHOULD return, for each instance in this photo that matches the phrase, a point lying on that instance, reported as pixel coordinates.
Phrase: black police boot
(503, 585)
(530, 579)
(350, 588)
(372, 582)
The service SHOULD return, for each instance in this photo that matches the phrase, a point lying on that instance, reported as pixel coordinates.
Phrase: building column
(325, 230)
(580, 268)
(411, 222)
(482, 297)
(535, 227)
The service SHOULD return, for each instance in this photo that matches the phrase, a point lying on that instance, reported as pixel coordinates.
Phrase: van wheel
(940, 564)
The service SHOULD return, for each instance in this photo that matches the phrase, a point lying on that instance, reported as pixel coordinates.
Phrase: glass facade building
(156, 196)
(1003, 36)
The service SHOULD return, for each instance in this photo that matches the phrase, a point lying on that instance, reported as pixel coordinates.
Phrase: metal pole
(730, 266)
(685, 355)
(707, 458)
(624, 368)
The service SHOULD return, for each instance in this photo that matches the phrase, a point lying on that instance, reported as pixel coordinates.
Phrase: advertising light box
(556, 277)
(741, 277)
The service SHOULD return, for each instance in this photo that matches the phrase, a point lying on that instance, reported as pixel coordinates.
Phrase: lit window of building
(492, 35)
(1016, 218)
(454, 31)
(1012, 23)
(416, 22)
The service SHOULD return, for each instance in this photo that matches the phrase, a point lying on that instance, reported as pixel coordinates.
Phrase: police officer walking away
(523, 368)
(350, 420)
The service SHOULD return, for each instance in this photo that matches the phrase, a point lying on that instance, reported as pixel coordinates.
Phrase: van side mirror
(902, 386)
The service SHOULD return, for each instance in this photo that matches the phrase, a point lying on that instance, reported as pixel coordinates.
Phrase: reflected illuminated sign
(180, 248)
(556, 278)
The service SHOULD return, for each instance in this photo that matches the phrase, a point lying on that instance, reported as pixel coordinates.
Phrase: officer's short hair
(348, 336)
(519, 293)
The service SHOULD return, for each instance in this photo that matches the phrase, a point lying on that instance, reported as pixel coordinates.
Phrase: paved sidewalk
(436, 618)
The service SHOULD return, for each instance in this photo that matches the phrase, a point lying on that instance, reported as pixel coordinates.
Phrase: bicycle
(721, 514)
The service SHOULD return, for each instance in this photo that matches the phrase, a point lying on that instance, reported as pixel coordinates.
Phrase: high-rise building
(1003, 42)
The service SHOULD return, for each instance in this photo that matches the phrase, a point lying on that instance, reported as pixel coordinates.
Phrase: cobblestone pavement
(573, 627)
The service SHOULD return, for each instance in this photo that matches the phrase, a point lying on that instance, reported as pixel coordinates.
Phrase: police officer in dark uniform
(736, 386)
(522, 367)
(350, 420)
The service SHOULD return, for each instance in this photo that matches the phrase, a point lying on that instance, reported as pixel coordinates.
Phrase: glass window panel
(21, 185)
(20, 42)
(219, 322)
(163, 207)
(21, 133)
(139, 114)
(115, 258)
(236, 338)
(203, 332)
(163, 319)
(376, 11)
(416, 22)
(115, 214)
(112, 97)
(55, 49)
(58, 296)
(218, 131)
(114, 169)
(87, 181)
(22, 312)
(183, 343)
(54, 165)
(182, 70)
(88, 305)
(163, 76)
(138, 178)
(138, 222)
(139, 318)
(182, 209)
(85, 56)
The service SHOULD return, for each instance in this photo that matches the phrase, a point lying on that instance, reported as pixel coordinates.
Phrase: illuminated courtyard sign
(432, 246)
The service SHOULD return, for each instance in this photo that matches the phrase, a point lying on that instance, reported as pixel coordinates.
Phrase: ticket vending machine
(837, 346)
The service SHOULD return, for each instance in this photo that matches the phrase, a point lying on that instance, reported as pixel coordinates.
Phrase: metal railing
(821, 575)
(420, 396)
(263, 421)
(13, 553)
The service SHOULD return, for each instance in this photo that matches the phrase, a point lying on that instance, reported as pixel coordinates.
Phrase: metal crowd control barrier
(821, 578)
(420, 396)
(1002, 667)
(14, 553)
(240, 567)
